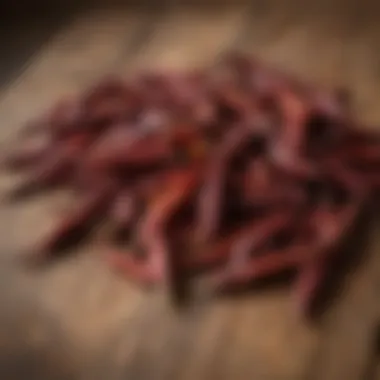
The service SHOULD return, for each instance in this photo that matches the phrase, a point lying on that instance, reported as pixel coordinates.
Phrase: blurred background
(75, 320)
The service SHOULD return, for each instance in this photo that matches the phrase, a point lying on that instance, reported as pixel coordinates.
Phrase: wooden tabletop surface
(75, 319)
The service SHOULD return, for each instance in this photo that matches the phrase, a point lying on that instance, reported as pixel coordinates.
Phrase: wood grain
(96, 325)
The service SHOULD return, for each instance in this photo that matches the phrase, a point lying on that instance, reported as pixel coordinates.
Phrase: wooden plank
(113, 330)
(188, 38)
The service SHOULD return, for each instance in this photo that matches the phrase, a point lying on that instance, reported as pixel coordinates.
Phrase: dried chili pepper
(211, 195)
(252, 236)
(78, 224)
(152, 234)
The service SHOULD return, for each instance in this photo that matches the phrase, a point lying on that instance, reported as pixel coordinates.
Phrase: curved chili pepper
(128, 148)
(211, 194)
(135, 269)
(56, 166)
(78, 224)
(331, 228)
(312, 273)
(160, 262)
(180, 187)
(254, 235)
(287, 148)
(270, 264)
(26, 157)
(47, 175)
(308, 285)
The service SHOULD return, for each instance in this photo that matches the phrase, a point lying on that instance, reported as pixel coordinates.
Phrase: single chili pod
(128, 148)
(77, 225)
(308, 286)
(158, 264)
(288, 145)
(48, 174)
(210, 202)
(140, 271)
(253, 236)
(152, 234)
(28, 155)
(266, 265)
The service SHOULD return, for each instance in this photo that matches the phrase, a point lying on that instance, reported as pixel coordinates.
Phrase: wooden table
(75, 319)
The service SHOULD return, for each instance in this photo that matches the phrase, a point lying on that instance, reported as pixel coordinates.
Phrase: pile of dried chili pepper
(238, 172)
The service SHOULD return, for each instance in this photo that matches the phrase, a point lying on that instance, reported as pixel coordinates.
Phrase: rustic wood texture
(75, 319)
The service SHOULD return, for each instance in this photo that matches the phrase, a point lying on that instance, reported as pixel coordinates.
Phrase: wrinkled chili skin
(237, 171)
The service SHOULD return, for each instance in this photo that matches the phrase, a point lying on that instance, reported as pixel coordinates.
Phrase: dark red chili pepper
(252, 236)
(287, 149)
(129, 149)
(308, 284)
(152, 235)
(211, 194)
(267, 265)
(27, 156)
(133, 268)
(78, 224)
(48, 174)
